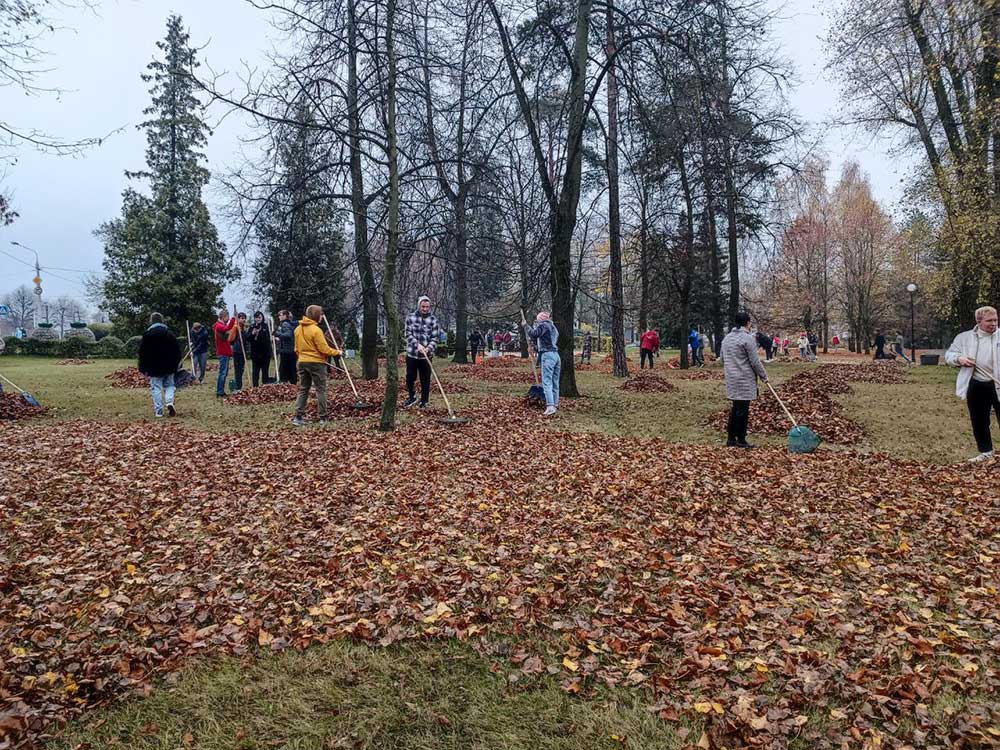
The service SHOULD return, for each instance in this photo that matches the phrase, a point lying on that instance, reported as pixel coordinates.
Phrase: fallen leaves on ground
(647, 383)
(808, 395)
(493, 373)
(127, 377)
(13, 406)
(856, 598)
(697, 374)
(75, 362)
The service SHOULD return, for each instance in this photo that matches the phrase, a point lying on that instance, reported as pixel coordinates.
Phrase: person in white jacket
(977, 353)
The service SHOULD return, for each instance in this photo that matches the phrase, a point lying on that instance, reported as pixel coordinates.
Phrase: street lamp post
(912, 289)
(37, 280)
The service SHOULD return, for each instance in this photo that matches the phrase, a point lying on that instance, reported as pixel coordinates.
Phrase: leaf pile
(697, 374)
(265, 394)
(128, 377)
(75, 362)
(835, 609)
(647, 383)
(809, 397)
(12, 407)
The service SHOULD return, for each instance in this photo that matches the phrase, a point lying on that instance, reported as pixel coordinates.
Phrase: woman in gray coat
(742, 367)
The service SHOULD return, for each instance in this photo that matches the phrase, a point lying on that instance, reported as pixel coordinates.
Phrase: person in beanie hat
(421, 331)
(285, 336)
(545, 336)
(159, 355)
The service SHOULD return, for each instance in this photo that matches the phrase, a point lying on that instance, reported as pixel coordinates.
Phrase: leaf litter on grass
(857, 589)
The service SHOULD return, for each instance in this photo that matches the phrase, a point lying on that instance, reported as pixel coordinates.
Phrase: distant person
(497, 341)
(421, 333)
(649, 344)
(286, 347)
(977, 353)
(587, 347)
(260, 349)
(159, 357)
(879, 345)
(776, 345)
(786, 346)
(694, 344)
(900, 346)
(742, 368)
(507, 338)
(313, 352)
(813, 345)
(475, 343)
(803, 346)
(238, 339)
(545, 337)
(765, 343)
(199, 350)
(223, 349)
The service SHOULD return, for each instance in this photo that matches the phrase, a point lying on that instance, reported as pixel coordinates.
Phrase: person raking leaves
(159, 356)
(313, 352)
(545, 336)
(742, 367)
(977, 353)
(421, 332)
(223, 349)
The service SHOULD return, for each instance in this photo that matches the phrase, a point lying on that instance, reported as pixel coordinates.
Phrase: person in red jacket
(223, 349)
(649, 345)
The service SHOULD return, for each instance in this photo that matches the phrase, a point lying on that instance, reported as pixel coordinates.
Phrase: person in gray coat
(742, 367)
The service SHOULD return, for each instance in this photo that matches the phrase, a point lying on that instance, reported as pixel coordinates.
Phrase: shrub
(111, 347)
(100, 330)
(40, 347)
(132, 346)
(351, 339)
(73, 348)
(12, 345)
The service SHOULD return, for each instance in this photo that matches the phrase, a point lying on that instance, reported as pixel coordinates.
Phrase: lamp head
(911, 287)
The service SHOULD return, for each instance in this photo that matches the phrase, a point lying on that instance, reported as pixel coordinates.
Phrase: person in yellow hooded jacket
(313, 351)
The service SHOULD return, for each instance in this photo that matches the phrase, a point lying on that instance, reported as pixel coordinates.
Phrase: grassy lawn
(611, 578)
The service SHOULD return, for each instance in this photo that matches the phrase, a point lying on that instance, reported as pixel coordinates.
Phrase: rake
(25, 396)
(452, 418)
(358, 402)
(800, 438)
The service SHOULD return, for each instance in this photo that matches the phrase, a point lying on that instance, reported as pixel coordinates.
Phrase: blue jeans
(200, 363)
(162, 389)
(220, 384)
(551, 367)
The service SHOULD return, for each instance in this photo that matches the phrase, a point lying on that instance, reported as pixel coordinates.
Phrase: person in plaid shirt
(421, 333)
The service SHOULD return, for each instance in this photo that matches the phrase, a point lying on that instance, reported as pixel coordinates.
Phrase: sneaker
(549, 411)
(323, 423)
(985, 456)
(744, 444)
(422, 405)
(171, 411)
(409, 402)
(158, 414)
(299, 422)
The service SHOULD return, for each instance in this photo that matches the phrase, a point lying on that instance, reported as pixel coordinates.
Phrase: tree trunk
(461, 282)
(620, 369)
(392, 335)
(369, 289)
(643, 261)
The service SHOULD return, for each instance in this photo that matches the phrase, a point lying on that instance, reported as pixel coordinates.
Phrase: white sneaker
(981, 457)
(549, 411)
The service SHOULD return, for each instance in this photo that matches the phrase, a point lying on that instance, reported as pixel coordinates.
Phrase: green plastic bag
(802, 440)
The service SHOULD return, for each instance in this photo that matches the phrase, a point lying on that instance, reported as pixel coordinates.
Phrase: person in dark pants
(879, 345)
(238, 340)
(977, 353)
(421, 331)
(199, 350)
(742, 367)
(765, 342)
(813, 344)
(649, 344)
(285, 336)
(260, 349)
(475, 343)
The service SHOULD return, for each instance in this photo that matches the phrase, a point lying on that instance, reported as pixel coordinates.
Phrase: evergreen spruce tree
(300, 237)
(163, 253)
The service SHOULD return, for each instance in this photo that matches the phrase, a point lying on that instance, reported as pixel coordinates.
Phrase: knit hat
(542, 316)
(422, 298)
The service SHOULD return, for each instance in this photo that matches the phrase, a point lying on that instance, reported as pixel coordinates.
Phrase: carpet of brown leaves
(697, 374)
(809, 397)
(492, 373)
(12, 407)
(758, 605)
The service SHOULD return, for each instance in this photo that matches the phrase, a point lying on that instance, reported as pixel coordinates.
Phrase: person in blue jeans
(199, 350)
(545, 337)
(223, 349)
(159, 356)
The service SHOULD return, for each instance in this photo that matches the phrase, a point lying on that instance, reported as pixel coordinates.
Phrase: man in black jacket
(199, 350)
(159, 355)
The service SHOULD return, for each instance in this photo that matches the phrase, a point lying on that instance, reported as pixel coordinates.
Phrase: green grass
(920, 420)
(439, 696)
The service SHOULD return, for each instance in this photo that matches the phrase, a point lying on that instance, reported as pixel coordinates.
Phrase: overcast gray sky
(61, 200)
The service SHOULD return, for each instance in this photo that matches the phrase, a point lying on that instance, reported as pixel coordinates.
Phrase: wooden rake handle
(781, 403)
